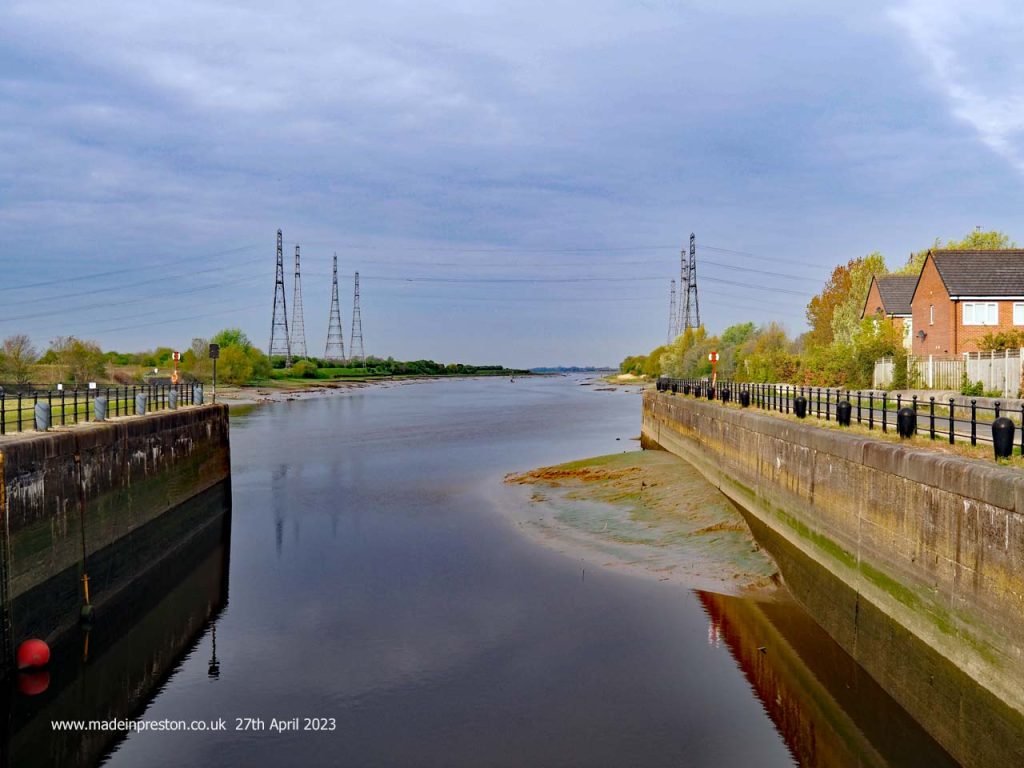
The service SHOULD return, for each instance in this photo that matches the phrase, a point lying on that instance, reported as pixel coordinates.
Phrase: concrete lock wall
(69, 494)
(911, 559)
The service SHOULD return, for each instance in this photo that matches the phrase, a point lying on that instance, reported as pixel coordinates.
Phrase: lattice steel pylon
(335, 350)
(673, 315)
(680, 318)
(691, 313)
(356, 339)
(280, 343)
(298, 336)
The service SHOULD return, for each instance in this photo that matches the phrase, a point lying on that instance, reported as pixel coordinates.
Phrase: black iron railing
(67, 407)
(952, 419)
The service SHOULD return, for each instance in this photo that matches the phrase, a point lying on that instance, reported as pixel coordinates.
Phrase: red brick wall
(874, 302)
(931, 292)
(968, 336)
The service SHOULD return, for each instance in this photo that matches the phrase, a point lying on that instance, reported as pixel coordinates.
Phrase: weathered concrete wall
(70, 493)
(911, 559)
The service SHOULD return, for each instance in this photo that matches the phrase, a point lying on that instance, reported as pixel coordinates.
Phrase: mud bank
(648, 513)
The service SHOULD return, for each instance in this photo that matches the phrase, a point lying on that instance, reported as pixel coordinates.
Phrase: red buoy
(33, 683)
(33, 653)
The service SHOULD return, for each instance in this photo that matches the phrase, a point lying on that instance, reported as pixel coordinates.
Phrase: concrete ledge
(71, 492)
(931, 546)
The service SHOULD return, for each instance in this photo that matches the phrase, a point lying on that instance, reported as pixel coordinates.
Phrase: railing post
(828, 404)
(974, 422)
(871, 409)
(3, 413)
(19, 411)
(75, 401)
(931, 418)
(952, 421)
(996, 406)
(885, 412)
(858, 406)
(1022, 430)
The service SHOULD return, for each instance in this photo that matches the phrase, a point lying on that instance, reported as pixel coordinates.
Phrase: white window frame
(981, 313)
(1018, 313)
(931, 314)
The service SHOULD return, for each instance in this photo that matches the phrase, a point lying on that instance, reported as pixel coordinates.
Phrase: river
(375, 583)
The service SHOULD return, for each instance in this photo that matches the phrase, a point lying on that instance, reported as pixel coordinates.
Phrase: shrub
(977, 389)
(304, 369)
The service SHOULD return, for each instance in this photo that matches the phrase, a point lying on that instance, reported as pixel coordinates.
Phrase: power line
(179, 318)
(162, 280)
(126, 302)
(123, 270)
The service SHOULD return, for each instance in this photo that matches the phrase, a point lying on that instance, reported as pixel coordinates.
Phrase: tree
(821, 309)
(18, 356)
(195, 361)
(768, 356)
(232, 337)
(80, 361)
(846, 315)
(234, 365)
(990, 240)
(672, 361)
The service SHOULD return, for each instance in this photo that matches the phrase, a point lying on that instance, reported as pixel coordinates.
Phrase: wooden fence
(997, 371)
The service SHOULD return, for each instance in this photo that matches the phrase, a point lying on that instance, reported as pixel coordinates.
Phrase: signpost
(214, 354)
(713, 357)
(174, 375)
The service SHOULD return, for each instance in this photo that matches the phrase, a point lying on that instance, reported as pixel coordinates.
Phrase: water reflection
(825, 706)
(146, 621)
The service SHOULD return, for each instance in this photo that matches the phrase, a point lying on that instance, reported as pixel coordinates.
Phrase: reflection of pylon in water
(335, 336)
(280, 344)
(356, 344)
(298, 337)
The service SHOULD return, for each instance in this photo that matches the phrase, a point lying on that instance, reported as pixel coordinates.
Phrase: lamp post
(214, 354)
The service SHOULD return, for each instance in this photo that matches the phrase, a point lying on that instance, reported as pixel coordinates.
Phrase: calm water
(374, 581)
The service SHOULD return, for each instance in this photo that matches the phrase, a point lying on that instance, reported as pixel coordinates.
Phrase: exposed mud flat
(646, 512)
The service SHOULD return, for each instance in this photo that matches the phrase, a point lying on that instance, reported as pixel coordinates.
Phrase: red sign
(177, 356)
(713, 357)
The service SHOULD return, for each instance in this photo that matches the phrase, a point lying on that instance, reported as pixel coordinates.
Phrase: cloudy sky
(512, 180)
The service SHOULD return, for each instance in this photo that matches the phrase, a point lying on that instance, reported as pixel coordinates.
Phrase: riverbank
(285, 390)
(648, 513)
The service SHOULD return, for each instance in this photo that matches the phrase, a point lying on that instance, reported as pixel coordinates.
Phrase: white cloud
(973, 51)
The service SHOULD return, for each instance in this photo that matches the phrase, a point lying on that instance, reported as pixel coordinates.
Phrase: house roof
(896, 292)
(981, 273)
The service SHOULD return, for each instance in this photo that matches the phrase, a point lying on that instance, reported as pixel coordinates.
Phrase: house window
(982, 313)
(931, 314)
(1018, 313)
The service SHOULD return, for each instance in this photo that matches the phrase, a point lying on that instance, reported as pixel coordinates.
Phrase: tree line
(76, 362)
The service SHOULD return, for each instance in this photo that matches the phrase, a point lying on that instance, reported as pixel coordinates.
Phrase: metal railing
(68, 407)
(945, 420)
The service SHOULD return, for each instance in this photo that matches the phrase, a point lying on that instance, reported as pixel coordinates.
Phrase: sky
(513, 180)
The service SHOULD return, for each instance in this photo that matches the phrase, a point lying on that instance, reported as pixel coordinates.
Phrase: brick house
(961, 296)
(890, 296)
